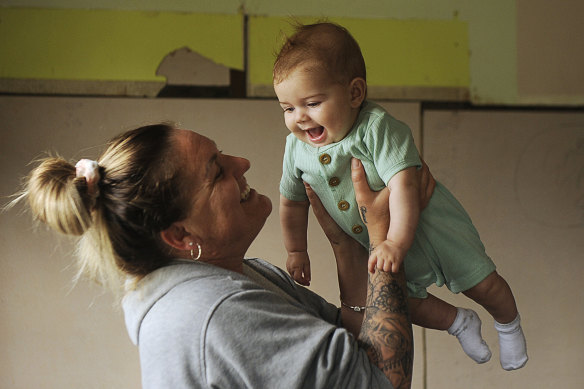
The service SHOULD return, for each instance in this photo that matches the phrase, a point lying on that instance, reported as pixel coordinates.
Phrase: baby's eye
(314, 104)
(288, 109)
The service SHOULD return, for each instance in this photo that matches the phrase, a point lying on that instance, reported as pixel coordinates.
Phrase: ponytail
(58, 198)
(117, 206)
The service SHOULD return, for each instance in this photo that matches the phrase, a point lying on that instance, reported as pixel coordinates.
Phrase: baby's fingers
(299, 275)
(372, 263)
(386, 266)
(306, 273)
(394, 267)
(294, 272)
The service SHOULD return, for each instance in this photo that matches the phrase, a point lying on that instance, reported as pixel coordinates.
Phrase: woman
(164, 212)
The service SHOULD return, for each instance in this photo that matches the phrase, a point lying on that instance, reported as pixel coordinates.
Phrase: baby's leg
(432, 312)
(495, 295)
(465, 324)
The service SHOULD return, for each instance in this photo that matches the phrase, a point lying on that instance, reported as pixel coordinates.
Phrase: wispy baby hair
(321, 46)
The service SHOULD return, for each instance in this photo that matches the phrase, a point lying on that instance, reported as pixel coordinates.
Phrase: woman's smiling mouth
(245, 194)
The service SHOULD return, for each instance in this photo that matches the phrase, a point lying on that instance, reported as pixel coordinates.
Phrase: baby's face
(316, 110)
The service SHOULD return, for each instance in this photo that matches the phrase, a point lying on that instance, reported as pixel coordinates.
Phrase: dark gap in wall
(236, 89)
(237, 81)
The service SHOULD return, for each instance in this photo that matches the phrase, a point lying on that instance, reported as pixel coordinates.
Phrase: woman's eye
(219, 172)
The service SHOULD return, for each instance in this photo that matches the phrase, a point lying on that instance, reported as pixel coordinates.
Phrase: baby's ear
(358, 88)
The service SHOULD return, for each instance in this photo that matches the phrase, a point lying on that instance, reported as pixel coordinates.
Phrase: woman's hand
(333, 232)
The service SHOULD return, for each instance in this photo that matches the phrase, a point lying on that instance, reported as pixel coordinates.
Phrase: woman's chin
(261, 204)
(267, 204)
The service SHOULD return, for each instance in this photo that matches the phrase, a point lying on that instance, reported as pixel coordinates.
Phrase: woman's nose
(240, 165)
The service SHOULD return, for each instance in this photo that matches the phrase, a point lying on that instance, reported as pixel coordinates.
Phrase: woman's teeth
(245, 193)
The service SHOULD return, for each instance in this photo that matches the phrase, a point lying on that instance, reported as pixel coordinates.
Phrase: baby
(319, 78)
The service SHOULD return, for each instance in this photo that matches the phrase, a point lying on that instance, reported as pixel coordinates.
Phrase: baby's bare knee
(492, 284)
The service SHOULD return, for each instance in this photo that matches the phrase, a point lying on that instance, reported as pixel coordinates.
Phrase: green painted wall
(487, 30)
(110, 45)
(432, 53)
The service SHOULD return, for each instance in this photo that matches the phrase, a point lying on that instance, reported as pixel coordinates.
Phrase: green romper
(447, 248)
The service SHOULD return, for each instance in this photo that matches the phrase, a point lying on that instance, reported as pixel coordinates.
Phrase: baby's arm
(294, 221)
(404, 208)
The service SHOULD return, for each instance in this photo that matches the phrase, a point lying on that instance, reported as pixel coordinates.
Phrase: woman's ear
(177, 237)
(358, 88)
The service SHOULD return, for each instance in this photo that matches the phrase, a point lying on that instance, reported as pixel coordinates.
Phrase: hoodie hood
(140, 299)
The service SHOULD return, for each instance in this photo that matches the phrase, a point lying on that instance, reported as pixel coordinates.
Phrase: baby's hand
(387, 257)
(298, 265)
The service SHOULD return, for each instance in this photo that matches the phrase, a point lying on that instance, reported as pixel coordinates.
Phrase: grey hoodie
(200, 326)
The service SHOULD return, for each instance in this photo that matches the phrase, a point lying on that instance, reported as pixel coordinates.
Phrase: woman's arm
(386, 327)
(351, 260)
(386, 332)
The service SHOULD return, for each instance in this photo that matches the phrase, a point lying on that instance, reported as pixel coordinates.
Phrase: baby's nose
(301, 115)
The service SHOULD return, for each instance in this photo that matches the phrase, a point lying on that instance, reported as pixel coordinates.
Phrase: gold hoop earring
(193, 252)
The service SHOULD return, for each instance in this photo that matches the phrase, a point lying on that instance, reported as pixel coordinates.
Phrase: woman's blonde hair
(140, 194)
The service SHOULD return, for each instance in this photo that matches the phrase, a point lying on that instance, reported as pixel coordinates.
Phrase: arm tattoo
(386, 333)
(363, 211)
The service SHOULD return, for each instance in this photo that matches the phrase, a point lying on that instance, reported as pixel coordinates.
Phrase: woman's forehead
(198, 151)
(192, 142)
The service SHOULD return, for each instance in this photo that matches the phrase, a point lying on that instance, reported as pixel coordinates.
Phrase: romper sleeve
(391, 145)
(291, 185)
(256, 338)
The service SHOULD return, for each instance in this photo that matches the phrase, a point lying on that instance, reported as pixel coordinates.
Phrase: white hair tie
(90, 171)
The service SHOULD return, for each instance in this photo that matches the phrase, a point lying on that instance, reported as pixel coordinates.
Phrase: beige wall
(520, 175)
(550, 51)
(53, 336)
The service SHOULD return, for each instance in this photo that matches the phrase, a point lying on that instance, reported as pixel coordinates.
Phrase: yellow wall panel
(110, 45)
(427, 53)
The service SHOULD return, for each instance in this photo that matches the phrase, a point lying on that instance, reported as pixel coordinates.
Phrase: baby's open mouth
(315, 134)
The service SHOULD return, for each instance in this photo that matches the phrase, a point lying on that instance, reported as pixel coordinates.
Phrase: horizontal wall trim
(80, 87)
(403, 93)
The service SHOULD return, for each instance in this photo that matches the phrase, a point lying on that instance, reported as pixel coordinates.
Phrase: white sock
(467, 329)
(512, 346)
